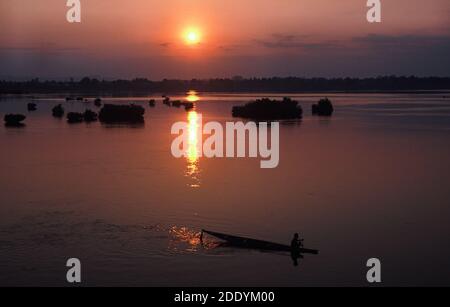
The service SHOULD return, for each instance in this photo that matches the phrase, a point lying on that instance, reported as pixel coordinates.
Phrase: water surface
(372, 181)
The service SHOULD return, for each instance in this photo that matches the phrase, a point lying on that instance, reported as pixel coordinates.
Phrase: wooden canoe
(244, 242)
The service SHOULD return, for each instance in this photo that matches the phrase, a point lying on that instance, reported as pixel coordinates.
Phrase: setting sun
(192, 37)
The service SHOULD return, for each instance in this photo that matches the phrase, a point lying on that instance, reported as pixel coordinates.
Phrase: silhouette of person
(296, 244)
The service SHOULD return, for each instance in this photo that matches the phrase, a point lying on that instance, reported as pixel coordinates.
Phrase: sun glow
(192, 36)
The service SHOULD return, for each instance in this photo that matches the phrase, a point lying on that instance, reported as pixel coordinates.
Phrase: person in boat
(296, 242)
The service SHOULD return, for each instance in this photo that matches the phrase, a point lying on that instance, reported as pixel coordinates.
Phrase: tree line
(237, 84)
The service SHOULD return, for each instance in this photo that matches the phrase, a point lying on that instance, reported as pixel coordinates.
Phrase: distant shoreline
(237, 85)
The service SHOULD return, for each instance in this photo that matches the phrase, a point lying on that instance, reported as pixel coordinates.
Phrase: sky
(249, 38)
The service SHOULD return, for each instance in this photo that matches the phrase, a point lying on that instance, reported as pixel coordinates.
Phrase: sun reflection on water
(192, 96)
(183, 238)
(193, 150)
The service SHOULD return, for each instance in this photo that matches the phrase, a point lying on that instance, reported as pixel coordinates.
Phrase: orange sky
(145, 32)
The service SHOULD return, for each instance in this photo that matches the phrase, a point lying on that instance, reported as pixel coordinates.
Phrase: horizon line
(233, 78)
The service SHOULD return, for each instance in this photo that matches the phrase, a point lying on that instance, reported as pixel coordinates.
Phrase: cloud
(229, 48)
(293, 41)
(402, 41)
(398, 43)
(42, 48)
(368, 55)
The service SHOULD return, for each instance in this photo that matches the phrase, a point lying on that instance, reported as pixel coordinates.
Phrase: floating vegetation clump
(268, 109)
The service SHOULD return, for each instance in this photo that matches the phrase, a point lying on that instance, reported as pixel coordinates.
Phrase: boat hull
(244, 242)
